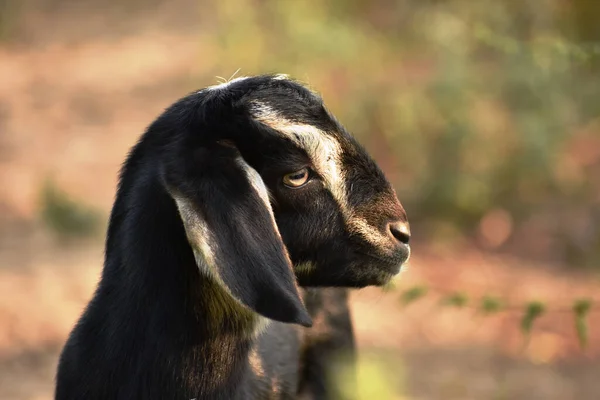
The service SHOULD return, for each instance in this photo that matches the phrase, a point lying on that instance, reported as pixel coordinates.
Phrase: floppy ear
(229, 223)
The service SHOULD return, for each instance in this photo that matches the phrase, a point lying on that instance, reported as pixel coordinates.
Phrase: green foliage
(375, 376)
(499, 97)
(456, 300)
(413, 294)
(533, 310)
(497, 102)
(581, 309)
(373, 379)
(490, 305)
(66, 217)
(8, 12)
(473, 105)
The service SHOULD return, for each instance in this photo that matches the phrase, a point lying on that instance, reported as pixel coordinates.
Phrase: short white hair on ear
(198, 235)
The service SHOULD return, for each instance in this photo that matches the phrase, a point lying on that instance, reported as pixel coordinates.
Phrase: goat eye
(296, 179)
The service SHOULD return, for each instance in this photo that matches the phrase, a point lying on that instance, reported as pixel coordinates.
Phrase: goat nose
(400, 231)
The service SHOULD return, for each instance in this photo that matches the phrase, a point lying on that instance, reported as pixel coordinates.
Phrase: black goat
(232, 198)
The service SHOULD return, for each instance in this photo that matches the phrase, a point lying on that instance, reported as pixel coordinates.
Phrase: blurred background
(484, 114)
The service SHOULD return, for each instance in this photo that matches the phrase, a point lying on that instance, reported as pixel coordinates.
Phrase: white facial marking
(324, 150)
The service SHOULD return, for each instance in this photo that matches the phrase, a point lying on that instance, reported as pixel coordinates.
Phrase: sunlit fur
(207, 247)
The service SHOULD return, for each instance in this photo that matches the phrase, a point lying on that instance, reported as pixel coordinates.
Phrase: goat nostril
(400, 231)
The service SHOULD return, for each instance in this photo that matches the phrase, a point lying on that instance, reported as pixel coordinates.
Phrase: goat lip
(390, 263)
(394, 269)
(390, 266)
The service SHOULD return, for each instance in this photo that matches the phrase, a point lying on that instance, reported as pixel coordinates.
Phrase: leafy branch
(489, 305)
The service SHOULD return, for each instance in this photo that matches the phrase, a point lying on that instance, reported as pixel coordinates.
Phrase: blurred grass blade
(65, 216)
(413, 294)
(490, 305)
(458, 299)
(533, 311)
(581, 309)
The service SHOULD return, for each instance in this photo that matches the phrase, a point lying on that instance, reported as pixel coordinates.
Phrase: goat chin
(231, 199)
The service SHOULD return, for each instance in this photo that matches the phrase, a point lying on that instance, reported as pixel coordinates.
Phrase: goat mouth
(382, 270)
(391, 264)
(380, 277)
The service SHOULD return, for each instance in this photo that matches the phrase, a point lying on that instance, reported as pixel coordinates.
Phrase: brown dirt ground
(437, 352)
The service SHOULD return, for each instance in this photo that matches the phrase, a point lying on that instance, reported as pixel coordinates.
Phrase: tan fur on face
(369, 232)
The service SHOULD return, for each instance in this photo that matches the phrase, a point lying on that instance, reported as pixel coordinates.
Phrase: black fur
(160, 326)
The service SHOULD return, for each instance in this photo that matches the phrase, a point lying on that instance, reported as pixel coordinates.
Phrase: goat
(243, 213)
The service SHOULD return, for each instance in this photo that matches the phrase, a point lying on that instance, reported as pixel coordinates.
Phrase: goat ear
(229, 222)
